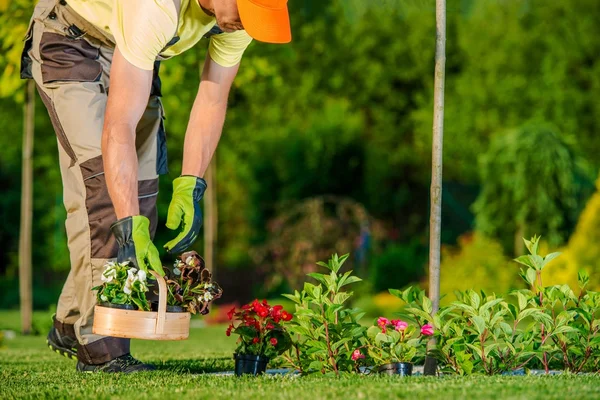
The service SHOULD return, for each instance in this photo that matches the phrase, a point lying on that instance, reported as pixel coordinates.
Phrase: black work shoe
(126, 364)
(62, 344)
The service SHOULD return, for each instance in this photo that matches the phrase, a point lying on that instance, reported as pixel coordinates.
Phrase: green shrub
(550, 327)
(327, 331)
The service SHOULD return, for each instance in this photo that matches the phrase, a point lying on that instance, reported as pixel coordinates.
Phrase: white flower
(190, 261)
(131, 278)
(131, 274)
(176, 271)
(109, 273)
(208, 296)
(141, 276)
(208, 285)
(127, 288)
(103, 298)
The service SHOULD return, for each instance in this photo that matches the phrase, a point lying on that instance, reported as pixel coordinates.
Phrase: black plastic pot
(118, 306)
(400, 368)
(246, 364)
(174, 309)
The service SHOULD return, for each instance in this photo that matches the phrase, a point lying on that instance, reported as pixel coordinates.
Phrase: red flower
(286, 316)
(357, 355)
(274, 341)
(228, 333)
(247, 307)
(276, 312)
(427, 330)
(270, 326)
(230, 313)
(263, 312)
(265, 302)
(255, 340)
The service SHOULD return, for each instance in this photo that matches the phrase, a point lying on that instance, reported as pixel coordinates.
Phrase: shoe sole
(68, 353)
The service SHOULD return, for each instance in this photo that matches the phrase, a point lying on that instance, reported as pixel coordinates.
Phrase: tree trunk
(435, 223)
(25, 287)
(210, 216)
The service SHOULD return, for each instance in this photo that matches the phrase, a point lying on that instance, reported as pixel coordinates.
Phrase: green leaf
(427, 305)
(523, 301)
(550, 257)
(525, 260)
(319, 277)
(315, 365)
(381, 338)
(350, 280)
(373, 331)
(479, 324)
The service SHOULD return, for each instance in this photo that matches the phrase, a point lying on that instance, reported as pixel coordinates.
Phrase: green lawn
(29, 370)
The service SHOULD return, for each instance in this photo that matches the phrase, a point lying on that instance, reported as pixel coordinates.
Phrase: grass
(30, 370)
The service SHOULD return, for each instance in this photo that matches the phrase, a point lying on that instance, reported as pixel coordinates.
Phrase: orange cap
(266, 20)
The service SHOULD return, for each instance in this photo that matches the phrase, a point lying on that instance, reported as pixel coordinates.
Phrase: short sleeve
(226, 49)
(142, 29)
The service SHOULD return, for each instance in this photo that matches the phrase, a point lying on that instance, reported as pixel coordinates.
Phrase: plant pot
(136, 324)
(118, 306)
(170, 309)
(246, 364)
(400, 368)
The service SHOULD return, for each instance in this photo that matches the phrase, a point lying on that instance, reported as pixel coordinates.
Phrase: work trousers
(70, 60)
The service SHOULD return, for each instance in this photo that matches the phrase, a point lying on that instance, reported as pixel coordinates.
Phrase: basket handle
(162, 303)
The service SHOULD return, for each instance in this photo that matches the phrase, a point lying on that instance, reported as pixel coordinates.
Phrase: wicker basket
(143, 324)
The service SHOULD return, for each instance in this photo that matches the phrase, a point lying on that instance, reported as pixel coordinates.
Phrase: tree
(528, 185)
(14, 26)
(435, 225)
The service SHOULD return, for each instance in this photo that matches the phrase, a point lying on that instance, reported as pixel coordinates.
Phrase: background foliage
(345, 110)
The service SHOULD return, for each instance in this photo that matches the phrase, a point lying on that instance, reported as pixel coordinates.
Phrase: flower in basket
(123, 284)
(394, 341)
(261, 328)
(189, 284)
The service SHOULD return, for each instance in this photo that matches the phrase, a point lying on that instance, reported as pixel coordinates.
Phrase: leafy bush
(325, 332)
(543, 326)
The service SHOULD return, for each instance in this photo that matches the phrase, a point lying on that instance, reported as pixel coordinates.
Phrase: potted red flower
(262, 335)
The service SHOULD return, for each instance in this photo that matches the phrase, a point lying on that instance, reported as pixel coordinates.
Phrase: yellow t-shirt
(143, 28)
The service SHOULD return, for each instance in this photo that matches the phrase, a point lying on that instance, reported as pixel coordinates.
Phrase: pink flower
(382, 322)
(399, 325)
(356, 355)
(273, 341)
(427, 330)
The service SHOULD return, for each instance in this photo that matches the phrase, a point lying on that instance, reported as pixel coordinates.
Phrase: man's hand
(185, 212)
(135, 245)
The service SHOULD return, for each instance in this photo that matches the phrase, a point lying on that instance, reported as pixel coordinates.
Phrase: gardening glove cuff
(185, 212)
(135, 245)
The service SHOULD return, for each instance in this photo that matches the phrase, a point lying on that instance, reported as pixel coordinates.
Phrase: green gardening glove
(185, 212)
(135, 245)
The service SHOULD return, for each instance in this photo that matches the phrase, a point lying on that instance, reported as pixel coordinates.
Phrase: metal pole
(435, 222)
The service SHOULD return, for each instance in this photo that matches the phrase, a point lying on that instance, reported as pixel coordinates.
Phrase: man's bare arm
(207, 117)
(128, 97)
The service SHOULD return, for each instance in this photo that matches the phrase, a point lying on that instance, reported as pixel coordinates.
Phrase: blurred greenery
(345, 110)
